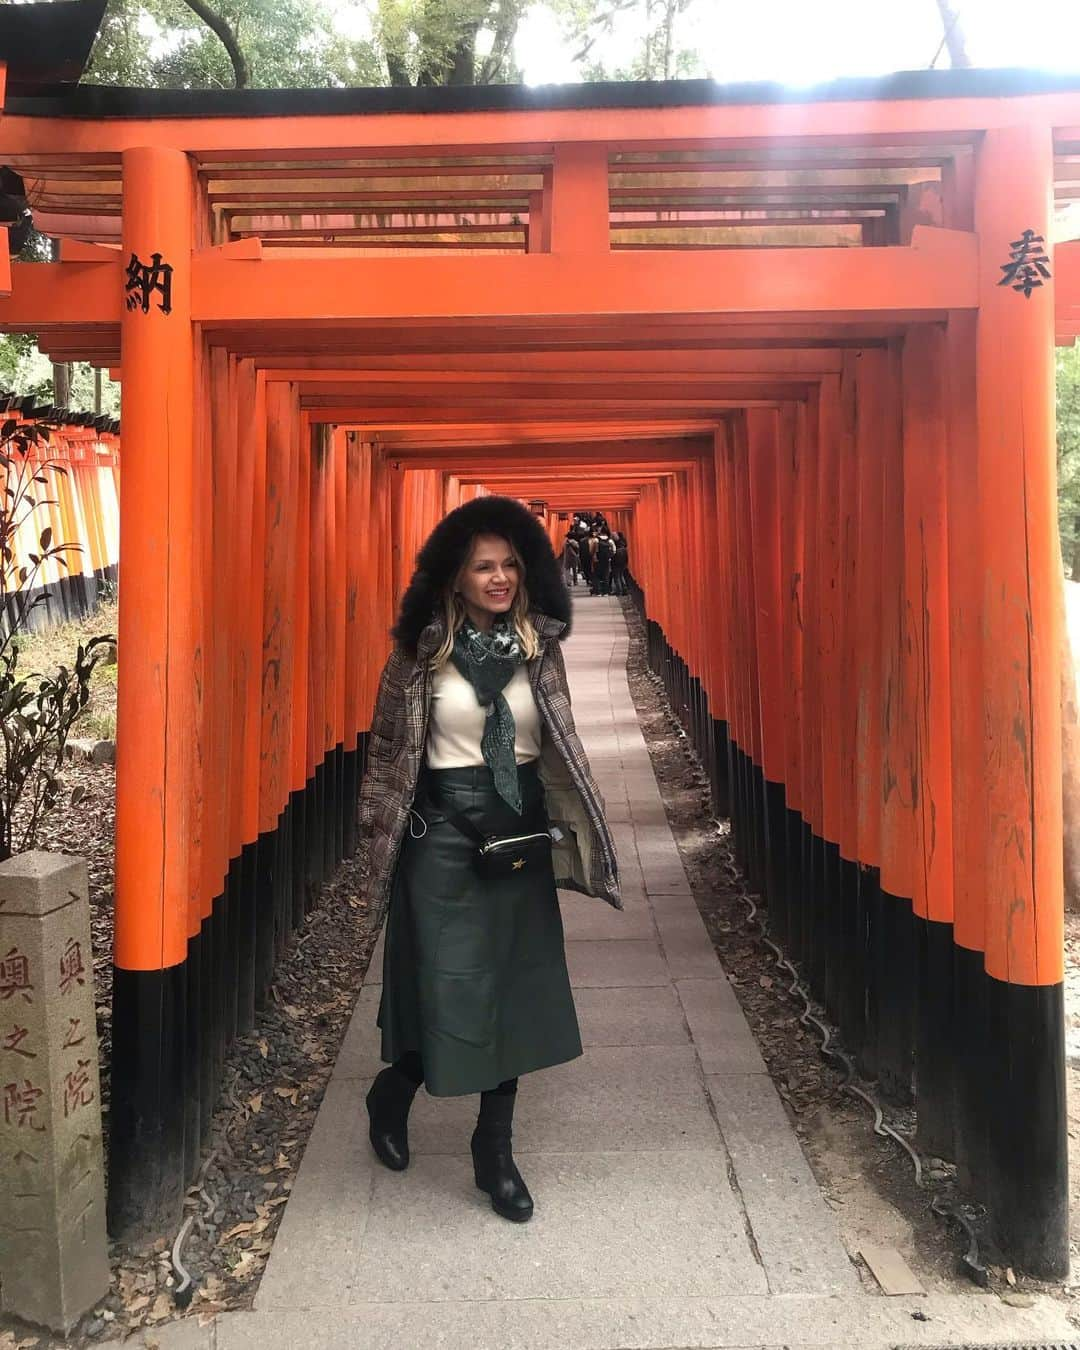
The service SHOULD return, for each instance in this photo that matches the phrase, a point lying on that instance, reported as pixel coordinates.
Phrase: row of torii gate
(803, 347)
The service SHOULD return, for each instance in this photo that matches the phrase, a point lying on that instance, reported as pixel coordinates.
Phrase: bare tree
(954, 37)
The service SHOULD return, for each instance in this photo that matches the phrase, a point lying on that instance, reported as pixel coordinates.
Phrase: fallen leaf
(238, 1230)
(264, 1049)
(255, 1103)
(282, 1164)
(138, 1304)
(1010, 1275)
(163, 1306)
(765, 981)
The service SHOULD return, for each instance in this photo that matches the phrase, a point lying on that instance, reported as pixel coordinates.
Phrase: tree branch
(228, 38)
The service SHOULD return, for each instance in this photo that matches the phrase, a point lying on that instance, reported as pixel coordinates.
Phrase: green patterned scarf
(488, 661)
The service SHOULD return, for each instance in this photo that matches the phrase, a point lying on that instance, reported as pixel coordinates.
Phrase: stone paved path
(675, 1207)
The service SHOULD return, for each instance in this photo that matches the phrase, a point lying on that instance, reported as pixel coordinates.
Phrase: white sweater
(456, 722)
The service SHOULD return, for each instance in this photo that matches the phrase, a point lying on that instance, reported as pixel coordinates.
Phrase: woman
(571, 558)
(619, 564)
(602, 558)
(473, 736)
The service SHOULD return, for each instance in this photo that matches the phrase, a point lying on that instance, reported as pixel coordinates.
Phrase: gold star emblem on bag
(518, 863)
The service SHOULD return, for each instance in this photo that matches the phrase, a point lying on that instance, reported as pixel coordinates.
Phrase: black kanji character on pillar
(1029, 266)
(143, 279)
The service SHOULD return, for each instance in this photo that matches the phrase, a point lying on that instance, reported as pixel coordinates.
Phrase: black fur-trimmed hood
(447, 547)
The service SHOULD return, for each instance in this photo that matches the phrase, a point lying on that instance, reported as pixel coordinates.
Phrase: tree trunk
(61, 380)
(228, 38)
(954, 39)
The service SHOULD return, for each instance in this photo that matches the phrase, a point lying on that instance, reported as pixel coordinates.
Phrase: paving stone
(644, 1016)
(604, 1222)
(318, 1243)
(795, 1231)
(615, 1098)
(359, 1054)
(629, 1322)
(585, 919)
(185, 1335)
(688, 949)
(724, 1041)
(613, 963)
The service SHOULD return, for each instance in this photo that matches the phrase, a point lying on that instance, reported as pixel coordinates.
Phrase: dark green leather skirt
(474, 974)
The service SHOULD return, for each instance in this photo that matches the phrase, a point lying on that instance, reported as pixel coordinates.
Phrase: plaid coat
(585, 856)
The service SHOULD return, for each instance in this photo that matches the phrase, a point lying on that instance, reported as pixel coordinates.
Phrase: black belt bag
(498, 856)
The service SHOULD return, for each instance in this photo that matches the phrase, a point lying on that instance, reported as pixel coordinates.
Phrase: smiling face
(489, 581)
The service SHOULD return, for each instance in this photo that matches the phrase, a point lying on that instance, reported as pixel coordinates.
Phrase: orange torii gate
(800, 346)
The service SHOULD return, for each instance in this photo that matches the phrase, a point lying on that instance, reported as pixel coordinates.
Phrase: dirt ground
(867, 1180)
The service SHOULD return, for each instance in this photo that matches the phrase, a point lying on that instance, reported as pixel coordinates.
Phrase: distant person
(619, 564)
(602, 560)
(571, 558)
(585, 554)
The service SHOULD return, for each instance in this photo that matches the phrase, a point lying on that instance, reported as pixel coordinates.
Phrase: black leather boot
(388, 1102)
(493, 1159)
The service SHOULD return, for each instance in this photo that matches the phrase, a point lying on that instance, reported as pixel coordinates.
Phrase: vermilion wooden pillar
(971, 1047)
(871, 410)
(1021, 626)
(157, 786)
(894, 953)
(927, 623)
(789, 461)
(762, 439)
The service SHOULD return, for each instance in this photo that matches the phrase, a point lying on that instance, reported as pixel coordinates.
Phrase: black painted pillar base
(776, 859)
(869, 910)
(818, 935)
(191, 1073)
(971, 1070)
(247, 922)
(934, 1035)
(852, 957)
(894, 958)
(832, 912)
(146, 1115)
(298, 807)
(1028, 1128)
(350, 786)
(721, 772)
(312, 843)
(795, 884)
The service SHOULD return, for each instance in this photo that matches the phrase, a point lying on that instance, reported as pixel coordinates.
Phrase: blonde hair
(454, 610)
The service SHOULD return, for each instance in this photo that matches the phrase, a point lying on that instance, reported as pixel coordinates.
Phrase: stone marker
(53, 1263)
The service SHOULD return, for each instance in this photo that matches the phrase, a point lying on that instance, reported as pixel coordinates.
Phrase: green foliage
(26, 370)
(37, 711)
(1068, 456)
(161, 44)
(662, 54)
(314, 44)
(448, 42)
